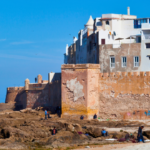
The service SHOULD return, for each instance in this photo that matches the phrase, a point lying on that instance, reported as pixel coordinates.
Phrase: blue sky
(34, 33)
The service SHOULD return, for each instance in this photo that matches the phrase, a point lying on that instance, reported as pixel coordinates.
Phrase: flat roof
(142, 18)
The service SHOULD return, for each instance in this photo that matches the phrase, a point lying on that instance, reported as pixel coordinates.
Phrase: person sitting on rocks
(95, 116)
(54, 131)
(45, 114)
(48, 115)
(82, 117)
(104, 132)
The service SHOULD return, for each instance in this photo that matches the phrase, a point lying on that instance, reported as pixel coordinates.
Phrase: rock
(145, 138)
(66, 137)
(25, 110)
(146, 134)
(94, 131)
(117, 135)
(14, 145)
(73, 127)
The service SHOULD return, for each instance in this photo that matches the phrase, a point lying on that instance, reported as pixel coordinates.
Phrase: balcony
(145, 26)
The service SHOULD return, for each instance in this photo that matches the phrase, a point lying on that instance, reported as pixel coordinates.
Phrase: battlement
(125, 74)
(12, 89)
(80, 66)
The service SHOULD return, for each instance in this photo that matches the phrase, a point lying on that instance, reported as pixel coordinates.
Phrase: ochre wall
(79, 89)
(12, 93)
(124, 95)
(121, 95)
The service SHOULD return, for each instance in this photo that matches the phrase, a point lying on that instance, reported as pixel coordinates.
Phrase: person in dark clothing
(45, 114)
(82, 117)
(35, 80)
(104, 132)
(48, 115)
(54, 131)
(95, 116)
(140, 135)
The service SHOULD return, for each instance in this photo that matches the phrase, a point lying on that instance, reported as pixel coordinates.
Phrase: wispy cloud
(41, 59)
(2, 40)
(22, 42)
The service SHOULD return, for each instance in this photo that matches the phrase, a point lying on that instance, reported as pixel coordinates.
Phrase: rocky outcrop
(28, 128)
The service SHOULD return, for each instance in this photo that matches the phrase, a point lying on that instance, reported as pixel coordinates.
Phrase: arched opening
(107, 22)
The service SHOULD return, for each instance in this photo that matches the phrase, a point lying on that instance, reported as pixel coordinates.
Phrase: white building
(144, 24)
(114, 29)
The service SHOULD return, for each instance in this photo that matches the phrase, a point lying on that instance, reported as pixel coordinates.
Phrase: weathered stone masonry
(83, 90)
(79, 90)
(33, 95)
(86, 91)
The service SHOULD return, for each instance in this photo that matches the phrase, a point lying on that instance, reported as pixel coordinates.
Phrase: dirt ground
(141, 146)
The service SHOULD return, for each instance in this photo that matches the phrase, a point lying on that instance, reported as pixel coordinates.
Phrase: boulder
(117, 135)
(146, 134)
(66, 137)
(73, 127)
(94, 131)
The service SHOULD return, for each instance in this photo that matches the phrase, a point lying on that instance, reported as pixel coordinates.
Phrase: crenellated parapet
(125, 74)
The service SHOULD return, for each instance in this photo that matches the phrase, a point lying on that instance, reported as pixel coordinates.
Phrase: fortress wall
(21, 100)
(120, 95)
(12, 92)
(37, 95)
(124, 95)
(54, 95)
(79, 89)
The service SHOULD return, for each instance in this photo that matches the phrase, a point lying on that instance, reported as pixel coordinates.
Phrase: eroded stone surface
(76, 87)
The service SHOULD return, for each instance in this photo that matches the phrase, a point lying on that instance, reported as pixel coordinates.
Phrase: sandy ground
(132, 146)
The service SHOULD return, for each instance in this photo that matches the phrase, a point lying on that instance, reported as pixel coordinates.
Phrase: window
(90, 45)
(102, 41)
(137, 23)
(147, 45)
(136, 61)
(107, 22)
(138, 39)
(112, 62)
(124, 61)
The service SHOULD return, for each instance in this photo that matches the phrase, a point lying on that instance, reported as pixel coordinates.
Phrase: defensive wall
(83, 90)
(120, 95)
(43, 93)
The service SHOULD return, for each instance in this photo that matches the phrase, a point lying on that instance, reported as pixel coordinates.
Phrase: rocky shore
(27, 129)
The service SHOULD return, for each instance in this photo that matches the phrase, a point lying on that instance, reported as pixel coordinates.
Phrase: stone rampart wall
(12, 92)
(79, 89)
(86, 91)
(124, 95)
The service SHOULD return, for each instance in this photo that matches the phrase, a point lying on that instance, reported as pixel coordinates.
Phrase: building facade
(116, 42)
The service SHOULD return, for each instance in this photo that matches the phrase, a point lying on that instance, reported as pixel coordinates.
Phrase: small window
(124, 61)
(147, 45)
(136, 61)
(103, 41)
(107, 22)
(112, 62)
(90, 45)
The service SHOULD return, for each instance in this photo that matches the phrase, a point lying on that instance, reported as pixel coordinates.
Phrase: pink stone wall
(79, 90)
